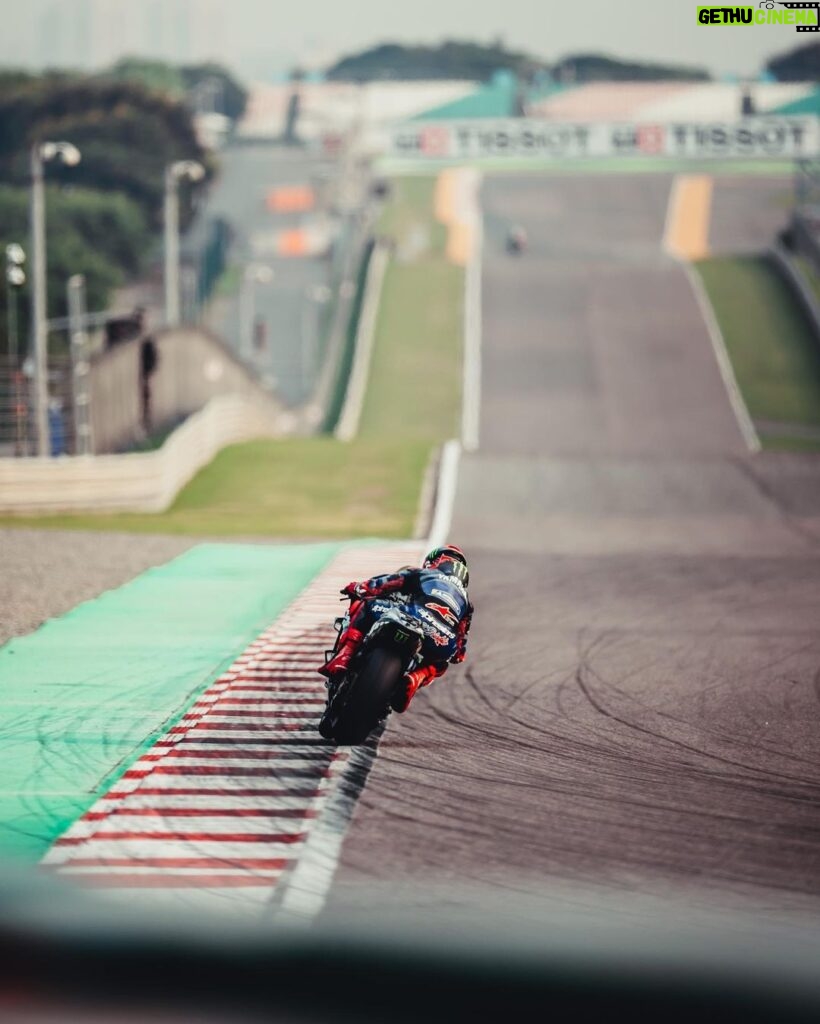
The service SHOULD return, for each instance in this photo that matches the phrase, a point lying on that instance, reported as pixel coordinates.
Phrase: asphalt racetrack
(639, 708)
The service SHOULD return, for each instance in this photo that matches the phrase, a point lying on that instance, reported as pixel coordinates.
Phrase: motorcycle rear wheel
(364, 703)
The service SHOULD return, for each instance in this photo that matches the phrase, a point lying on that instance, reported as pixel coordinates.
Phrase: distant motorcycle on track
(516, 240)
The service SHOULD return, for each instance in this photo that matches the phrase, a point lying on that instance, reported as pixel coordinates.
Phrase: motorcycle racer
(439, 587)
(517, 238)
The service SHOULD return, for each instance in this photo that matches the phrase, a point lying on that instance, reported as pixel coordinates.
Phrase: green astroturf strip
(83, 696)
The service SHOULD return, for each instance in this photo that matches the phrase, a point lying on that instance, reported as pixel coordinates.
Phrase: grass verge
(297, 488)
(409, 213)
(414, 388)
(415, 375)
(775, 356)
(810, 274)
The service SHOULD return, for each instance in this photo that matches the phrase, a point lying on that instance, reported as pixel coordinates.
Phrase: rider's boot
(411, 682)
(348, 645)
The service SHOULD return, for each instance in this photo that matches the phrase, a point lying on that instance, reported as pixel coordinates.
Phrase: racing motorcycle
(516, 240)
(360, 700)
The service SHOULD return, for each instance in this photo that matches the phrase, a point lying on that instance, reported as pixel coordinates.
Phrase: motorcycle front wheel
(359, 707)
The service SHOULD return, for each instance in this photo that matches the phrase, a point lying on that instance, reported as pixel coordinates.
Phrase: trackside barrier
(348, 425)
(317, 409)
(192, 367)
(799, 286)
(803, 235)
(137, 481)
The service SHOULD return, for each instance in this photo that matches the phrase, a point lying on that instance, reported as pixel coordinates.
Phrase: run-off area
(240, 789)
(229, 799)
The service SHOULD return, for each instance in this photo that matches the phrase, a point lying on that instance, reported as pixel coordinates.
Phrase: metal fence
(122, 397)
(807, 183)
(17, 428)
(803, 234)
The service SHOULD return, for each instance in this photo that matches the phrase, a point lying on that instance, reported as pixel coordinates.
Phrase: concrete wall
(194, 367)
(137, 481)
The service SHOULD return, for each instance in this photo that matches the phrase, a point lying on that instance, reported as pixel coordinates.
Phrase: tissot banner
(758, 137)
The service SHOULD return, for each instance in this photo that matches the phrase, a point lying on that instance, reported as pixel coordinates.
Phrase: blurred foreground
(406, 957)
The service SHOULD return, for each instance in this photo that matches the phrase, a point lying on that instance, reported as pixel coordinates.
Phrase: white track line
(727, 373)
(744, 420)
(445, 494)
(471, 398)
(471, 384)
(311, 878)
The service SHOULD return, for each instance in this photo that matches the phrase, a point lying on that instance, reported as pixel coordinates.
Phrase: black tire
(367, 701)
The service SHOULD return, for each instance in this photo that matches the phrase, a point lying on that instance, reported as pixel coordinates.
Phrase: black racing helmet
(451, 560)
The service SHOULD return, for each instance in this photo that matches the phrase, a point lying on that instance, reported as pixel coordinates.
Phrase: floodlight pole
(193, 171)
(69, 155)
(39, 329)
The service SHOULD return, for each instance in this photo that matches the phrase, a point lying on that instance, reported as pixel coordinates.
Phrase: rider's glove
(353, 589)
(412, 580)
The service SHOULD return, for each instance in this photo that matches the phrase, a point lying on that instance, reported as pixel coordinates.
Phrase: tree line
(476, 62)
(104, 216)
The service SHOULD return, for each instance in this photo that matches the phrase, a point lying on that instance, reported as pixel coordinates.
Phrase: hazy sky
(262, 37)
